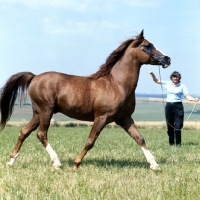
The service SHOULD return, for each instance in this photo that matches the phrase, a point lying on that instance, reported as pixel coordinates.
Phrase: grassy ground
(114, 169)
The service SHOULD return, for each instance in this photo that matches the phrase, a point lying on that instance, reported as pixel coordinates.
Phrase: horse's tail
(16, 84)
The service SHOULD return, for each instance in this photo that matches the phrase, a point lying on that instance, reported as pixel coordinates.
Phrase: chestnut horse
(104, 97)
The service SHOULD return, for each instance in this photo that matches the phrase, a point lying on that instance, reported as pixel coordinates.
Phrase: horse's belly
(82, 113)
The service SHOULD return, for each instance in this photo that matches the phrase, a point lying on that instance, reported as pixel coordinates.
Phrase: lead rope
(193, 109)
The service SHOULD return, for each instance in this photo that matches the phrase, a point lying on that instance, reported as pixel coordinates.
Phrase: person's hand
(150, 72)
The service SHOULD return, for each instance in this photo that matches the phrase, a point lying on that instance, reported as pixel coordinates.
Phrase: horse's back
(68, 94)
(47, 83)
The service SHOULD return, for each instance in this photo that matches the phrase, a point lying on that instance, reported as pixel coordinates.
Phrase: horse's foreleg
(129, 126)
(42, 136)
(53, 156)
(25, 132)
(98, 125)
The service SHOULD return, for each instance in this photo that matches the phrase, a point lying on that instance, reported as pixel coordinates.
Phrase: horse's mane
(111, 60)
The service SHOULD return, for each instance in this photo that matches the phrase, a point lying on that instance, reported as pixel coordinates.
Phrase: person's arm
(154, 78)
(190, 98)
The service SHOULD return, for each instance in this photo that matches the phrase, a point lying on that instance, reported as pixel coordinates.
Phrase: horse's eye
(147, 45)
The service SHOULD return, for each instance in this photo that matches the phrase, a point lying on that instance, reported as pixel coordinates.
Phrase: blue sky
(76, 36)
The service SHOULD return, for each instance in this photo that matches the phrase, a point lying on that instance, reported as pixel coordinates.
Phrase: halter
(162, 59)
(148, 51)
(193, 109)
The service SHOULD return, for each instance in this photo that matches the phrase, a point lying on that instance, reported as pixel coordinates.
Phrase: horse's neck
(126, 74)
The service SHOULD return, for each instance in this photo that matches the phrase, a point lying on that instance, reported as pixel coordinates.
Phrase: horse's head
(148, 54)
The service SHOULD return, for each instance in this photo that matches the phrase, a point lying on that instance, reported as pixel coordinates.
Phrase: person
(174, 110)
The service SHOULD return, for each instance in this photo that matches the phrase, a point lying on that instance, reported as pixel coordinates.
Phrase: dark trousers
(174, 117)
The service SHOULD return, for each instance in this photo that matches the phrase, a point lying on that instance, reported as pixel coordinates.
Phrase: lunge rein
(193, 109)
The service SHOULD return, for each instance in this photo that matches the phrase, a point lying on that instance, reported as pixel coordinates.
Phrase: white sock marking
(12, 160)
(53, 155)
(149, 157)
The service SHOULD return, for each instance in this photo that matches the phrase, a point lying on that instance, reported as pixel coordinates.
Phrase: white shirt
(174, 92)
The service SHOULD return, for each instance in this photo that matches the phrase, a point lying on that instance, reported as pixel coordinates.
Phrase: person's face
(175, 79)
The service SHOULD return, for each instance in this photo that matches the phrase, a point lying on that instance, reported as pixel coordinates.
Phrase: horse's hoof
(155, 168)
(8, 165)
(57, 167)
(74, 168)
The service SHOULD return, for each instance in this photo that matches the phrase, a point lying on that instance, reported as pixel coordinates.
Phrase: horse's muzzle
(165, 61)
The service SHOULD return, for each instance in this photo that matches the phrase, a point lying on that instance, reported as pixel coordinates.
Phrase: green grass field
(114, 169)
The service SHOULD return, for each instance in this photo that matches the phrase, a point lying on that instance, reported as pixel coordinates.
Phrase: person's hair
(177, 74)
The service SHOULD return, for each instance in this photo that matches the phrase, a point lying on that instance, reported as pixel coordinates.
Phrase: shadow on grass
(190, 143)
(109, 163)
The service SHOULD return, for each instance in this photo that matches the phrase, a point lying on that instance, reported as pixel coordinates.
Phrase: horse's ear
(140, 36)
(138, 40)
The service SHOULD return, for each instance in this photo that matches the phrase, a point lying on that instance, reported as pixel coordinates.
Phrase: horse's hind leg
(129, 126)
(42, 136)
(98, 125)
(25, 132)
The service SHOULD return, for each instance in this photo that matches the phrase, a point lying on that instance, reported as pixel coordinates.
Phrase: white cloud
(35, 4)
(54, 27)
(82, 5)
(143, 3)
(64, 4)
